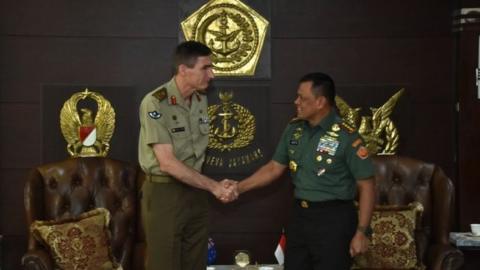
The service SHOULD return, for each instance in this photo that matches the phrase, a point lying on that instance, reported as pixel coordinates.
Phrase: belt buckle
(304, 204)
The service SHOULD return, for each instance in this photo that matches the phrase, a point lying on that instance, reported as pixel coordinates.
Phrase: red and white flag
(280, 251)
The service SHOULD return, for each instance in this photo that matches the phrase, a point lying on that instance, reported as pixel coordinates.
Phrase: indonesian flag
(280, 251)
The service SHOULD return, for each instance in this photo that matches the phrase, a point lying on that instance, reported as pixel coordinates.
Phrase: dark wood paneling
(432, 135)
(21, 136)
(280, 116)
(13, 249)
(144, 18)
(31, 62)
(12, 210)
(468, 129)
(411, 62)
(341, 18)
(255, 211)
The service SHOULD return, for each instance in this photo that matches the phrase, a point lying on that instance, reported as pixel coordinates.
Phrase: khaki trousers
(175, 218)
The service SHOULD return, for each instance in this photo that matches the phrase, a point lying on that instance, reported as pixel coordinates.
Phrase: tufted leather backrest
(401, 180)
(73, 186)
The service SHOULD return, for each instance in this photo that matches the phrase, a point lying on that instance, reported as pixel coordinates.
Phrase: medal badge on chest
(298, 133)
(328, 144)
(292, 166)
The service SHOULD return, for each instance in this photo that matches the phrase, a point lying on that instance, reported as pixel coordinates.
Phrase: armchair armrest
(37, 259)
(445, 257)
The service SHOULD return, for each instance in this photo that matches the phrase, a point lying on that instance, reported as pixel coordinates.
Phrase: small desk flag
(280, 251)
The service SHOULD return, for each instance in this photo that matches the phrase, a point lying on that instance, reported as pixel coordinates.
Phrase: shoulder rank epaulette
(347, 127)
(294, 120)
(160, 94)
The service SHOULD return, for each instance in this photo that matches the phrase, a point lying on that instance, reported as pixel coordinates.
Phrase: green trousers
(175, 218)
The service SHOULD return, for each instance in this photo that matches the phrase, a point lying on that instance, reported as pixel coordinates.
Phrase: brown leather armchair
(73, 186)
(401, 180)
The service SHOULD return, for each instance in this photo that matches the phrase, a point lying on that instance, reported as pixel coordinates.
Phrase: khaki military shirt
(165, 118)
(326, 160)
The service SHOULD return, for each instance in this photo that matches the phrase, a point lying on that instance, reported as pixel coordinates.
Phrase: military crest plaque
(233, 31)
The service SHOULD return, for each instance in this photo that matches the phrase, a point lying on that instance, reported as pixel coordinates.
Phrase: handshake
(226, 190)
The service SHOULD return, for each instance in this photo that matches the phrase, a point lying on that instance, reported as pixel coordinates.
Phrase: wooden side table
(470, 246)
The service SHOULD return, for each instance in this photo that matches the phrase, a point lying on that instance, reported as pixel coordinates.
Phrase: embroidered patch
(362, 152)
(155, 114)
(293, 142)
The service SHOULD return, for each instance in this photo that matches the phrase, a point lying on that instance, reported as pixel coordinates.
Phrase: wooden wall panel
(411, 62)
(141, 18)
(468, 129)
(13, 249)
(347, 18)
(11, 202)
(20, 137)
(32, 62)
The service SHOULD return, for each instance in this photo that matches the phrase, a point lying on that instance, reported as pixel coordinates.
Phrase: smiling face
(198, 76)
(309, 107)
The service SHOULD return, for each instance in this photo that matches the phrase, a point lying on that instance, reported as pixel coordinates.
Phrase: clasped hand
(227, 191)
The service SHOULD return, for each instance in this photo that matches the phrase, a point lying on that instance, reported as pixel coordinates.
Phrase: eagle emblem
(378, 130)
(87, 137)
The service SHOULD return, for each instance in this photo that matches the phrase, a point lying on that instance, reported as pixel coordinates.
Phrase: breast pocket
(203, 124)
(181, 137)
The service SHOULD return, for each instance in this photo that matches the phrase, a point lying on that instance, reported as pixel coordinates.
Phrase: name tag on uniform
(178, 129)
(293, 142)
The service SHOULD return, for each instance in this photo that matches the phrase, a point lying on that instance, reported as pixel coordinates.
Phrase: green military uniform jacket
(326, 160)
(165, 118)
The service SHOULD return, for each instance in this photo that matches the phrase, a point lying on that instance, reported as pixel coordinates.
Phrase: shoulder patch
(347, 127)
(160, 94)
(155, 115)
(362, 152)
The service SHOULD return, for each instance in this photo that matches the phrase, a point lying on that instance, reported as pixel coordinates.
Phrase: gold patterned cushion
(393, 240)
(78, 243)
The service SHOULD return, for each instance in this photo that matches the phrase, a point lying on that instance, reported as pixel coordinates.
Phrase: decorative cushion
(393, 240)
(78, 243)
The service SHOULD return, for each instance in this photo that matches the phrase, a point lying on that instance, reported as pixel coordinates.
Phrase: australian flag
(212, 252)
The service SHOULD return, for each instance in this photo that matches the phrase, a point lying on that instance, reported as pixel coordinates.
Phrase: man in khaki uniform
(173, 138)
(328, 164)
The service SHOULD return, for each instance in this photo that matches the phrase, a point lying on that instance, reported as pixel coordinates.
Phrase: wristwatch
(366, 230)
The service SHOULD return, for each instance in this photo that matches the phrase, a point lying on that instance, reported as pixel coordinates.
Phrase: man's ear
(182, 68)
(321, 102)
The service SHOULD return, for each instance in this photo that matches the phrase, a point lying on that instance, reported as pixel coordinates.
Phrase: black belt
(309, 204)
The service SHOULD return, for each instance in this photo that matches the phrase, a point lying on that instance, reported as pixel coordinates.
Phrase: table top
(464, 239)
(249, 267)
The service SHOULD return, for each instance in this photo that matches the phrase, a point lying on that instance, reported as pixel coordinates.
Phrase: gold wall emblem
(85, 137)
(378, 131)
(232, 127)
(233, 31)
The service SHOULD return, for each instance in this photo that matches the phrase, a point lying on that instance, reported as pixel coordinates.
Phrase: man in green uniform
(173, 138)
(328, 163)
